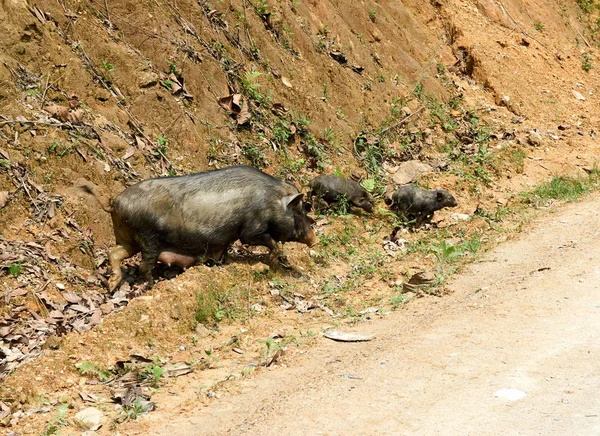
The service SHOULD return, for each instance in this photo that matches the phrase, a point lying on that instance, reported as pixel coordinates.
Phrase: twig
(402, 121)
(106, 7)
(44, 93)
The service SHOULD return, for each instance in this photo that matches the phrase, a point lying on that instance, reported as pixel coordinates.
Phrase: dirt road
(525, 317)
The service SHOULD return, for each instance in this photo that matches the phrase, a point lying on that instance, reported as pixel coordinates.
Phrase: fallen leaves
(237, 106)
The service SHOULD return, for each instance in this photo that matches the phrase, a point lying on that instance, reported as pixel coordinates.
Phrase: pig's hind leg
(116, 255)
(262, 239)
(149, 259)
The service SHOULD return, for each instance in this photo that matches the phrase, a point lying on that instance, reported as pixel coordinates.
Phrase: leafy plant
(372, 15)
(586, 5)
(162, 144)
(586, 61)
(15, 268)
(60, 420)
(107, 65)
(152, 374)
(90, 368)
(538, 26)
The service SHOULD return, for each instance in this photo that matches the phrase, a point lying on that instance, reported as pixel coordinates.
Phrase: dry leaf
(76, 116)
(59, 112)
(244, 115)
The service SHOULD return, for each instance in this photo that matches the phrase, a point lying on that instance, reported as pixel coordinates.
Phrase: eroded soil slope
(495, 97)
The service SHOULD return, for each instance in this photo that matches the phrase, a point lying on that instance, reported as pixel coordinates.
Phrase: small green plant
(15, 268)
(445, 253)
(59, 149)
(152, 374)
(586, 5)
(271, 347)
(92, 369)
(251, 87)
(214, 304)
(167, 84)
(261, 7)
(4, 163)
(173, 68)
(325, 93)
(399, 299)
(255, 154)
(538, 26)
(60, 420)
(133, 411)
(372, 15)
(162, 144)
(107, 65)
(586, 61)
(418, 91)
(341, 206)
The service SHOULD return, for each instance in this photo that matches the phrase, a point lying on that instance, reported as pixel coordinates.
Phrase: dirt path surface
(526, 317)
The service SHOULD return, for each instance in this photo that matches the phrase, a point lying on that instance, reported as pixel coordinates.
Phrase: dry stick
(521, 27)
(397, 123)
(45, 91)
(582, 37)
(106, 7)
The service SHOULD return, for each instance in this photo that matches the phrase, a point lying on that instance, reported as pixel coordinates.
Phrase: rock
(286, 82)
(406, 111)
(202, 331)
(410, 171)
(147, 79)
(510, 394)
(419, 281)
(340, 336)
(535, 138)
(461, 216)
(102, 94)
(90, 418)
(578, 95)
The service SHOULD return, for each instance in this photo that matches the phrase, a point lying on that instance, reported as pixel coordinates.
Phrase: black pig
(412, 200)
(181, 220)
(330, 188)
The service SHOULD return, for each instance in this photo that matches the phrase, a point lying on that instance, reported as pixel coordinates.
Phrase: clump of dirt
(493, 97)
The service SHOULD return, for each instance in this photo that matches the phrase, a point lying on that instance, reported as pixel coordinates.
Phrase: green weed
(372, 15)
(92, 369)
(558, 188)
(60, 420)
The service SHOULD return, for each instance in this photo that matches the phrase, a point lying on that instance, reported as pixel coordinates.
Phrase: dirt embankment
(494, 96)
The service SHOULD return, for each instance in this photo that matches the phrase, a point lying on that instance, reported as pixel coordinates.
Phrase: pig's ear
(440, 195)
(293, 200)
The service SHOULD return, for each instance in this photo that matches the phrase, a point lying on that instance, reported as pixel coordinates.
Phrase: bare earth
(526, 317)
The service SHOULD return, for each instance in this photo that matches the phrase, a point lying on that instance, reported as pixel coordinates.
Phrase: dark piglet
(411, 200)
(330, 188)
(182, 220)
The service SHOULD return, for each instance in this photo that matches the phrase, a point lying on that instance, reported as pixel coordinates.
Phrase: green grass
(214, 305)
(560, 188)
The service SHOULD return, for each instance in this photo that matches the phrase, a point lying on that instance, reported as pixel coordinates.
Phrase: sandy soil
(526, 317)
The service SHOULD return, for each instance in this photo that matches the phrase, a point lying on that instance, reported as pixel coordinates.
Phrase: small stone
(182, 348)
(406, 111)
(202, 331)
(535, 138)
(60, 286)
(148, 79)
(410, 171)
(90, 418)
(578, 95)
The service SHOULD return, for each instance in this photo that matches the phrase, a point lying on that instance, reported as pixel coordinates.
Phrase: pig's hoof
(284, 262)
(113, 283)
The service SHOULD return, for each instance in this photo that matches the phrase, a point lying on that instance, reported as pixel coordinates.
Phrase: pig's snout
(311, 239)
